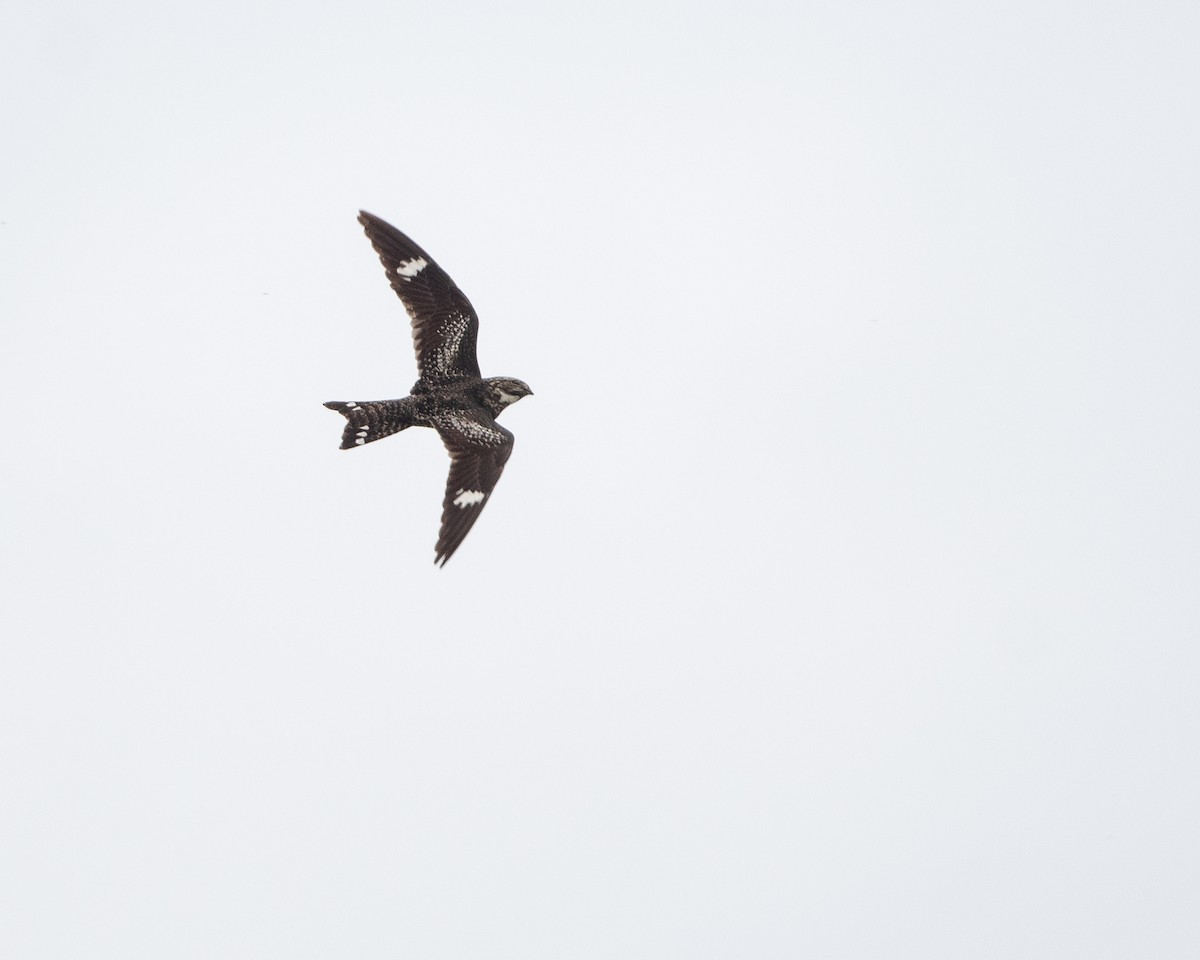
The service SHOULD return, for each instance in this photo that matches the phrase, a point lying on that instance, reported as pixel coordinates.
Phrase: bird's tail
(372, 420)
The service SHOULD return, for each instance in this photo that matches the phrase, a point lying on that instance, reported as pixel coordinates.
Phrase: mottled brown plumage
(449, 396)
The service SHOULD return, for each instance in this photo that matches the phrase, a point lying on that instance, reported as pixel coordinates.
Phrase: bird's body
(450, 396)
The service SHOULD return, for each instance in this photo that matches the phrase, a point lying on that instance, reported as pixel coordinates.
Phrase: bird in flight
(450, 396)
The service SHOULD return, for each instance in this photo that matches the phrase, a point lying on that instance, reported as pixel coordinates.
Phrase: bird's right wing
(478, 447)
(444, 324)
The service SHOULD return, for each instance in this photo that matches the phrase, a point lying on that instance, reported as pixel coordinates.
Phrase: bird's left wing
(478, 447)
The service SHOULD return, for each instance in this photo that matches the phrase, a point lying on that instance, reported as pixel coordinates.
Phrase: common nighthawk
(450, 395)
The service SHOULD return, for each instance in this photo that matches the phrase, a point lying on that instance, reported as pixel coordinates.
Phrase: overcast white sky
(840, 600)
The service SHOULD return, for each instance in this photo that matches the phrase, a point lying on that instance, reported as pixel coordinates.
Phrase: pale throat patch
(468, 498)
(507, 398)
(410, 268)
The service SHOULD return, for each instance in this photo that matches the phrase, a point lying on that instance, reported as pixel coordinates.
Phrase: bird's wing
(479, 447)
(444, 324)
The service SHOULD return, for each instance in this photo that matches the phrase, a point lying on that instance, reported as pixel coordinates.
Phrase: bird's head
(502, 391)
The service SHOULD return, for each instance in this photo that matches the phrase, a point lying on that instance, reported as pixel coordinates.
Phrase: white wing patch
(410, 268)
(468, 498)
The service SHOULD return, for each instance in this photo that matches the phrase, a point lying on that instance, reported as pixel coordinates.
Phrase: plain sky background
(841, 597)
